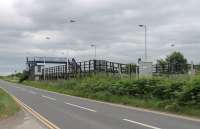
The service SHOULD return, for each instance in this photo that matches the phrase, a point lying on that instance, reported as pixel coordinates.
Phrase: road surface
(68, 112)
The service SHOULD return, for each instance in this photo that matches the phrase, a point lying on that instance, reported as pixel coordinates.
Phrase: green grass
(13, 79)
(8, 106)
(178, 94)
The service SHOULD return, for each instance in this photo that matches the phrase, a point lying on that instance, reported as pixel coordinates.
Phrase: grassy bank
(178, 94)
(8, 106)
(12, 78)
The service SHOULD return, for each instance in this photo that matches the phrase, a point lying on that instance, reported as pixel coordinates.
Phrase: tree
(161, 62)
(176, 61)
(176, 58)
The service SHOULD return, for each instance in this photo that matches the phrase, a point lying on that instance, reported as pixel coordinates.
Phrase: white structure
(38, 71)
(192, 70)
(145, 69)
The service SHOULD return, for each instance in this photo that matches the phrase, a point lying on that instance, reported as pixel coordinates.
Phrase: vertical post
(95, 52)
(65, 73)
(44, 68)
(84, 67)
(94, 61)
(106, 66)
(145, 27)
(136, 71)
(130, 70)
(89, 66)
(113, 68)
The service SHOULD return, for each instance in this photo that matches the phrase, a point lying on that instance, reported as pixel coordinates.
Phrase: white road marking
(47, 97)
(80, 107)
(32, 92)
(145, 125)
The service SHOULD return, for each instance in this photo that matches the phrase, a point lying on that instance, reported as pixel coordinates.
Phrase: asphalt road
(68, 112)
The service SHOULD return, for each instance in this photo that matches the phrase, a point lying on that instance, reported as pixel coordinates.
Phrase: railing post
(94, 66)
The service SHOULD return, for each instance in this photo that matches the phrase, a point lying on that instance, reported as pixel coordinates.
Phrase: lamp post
(44, 68)
(174, 61)
(145, 29)
(44, 59)
(71, 21)
(95, 54)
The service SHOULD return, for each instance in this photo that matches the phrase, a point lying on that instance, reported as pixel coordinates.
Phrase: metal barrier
(74, 69)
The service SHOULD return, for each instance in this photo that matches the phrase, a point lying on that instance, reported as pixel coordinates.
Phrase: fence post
(84, 67)
(89, 66)
(94, 66)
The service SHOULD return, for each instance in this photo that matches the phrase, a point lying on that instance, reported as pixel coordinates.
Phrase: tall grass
(8, 106)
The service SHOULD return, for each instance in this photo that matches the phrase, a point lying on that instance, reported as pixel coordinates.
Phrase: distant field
(8, 106)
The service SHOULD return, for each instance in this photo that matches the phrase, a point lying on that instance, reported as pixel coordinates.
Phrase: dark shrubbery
(24, 76)
(191, 95)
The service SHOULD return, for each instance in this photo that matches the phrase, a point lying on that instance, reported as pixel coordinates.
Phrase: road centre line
(88, 109)
(47, 97)
(145, 125)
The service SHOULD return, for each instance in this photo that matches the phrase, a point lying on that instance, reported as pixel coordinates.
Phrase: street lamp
(145, 29)
(172, 45)
(44, 68)
(71, 21)
(95, 54)
(44, 60)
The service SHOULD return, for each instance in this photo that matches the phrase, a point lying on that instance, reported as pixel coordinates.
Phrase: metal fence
(174, 68)
(79, 69)
(75, 69)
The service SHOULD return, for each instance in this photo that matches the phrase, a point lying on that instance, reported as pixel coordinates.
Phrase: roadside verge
(39, 117)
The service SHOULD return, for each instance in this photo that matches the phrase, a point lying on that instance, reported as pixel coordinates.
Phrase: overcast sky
(110, 24)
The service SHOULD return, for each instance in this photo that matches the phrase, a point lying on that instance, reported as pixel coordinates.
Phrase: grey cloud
(111, 24)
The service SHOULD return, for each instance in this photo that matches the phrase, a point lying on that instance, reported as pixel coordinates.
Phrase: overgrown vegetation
(18, 77)
(180, 94)
(8, 106)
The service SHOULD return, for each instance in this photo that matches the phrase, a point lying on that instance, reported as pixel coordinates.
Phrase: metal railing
(73, 69)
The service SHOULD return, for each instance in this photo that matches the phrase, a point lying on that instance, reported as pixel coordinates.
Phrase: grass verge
(8, 106)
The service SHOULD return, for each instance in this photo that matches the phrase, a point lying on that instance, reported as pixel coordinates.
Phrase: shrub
(191, 97)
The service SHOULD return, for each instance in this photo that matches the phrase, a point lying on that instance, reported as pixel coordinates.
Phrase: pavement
(69, 112)
(21, 120)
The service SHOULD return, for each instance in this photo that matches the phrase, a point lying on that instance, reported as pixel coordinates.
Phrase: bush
(191, 97)
(24, 76)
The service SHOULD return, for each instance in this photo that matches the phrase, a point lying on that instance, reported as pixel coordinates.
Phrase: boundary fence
(81, 69)
(171, 68)
(73, 69)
